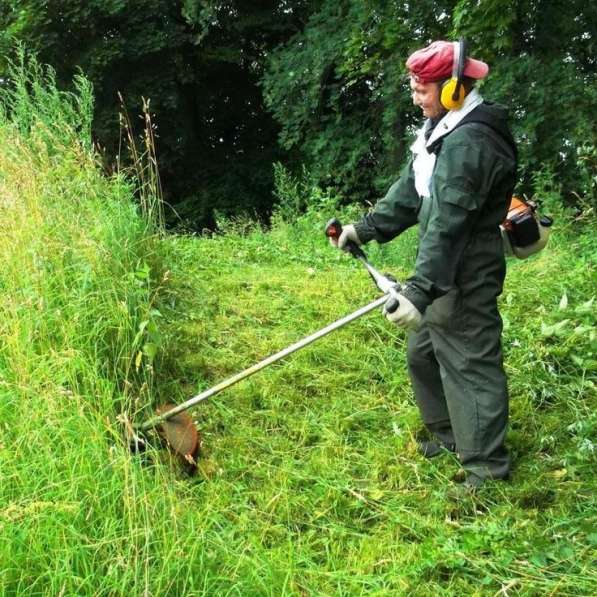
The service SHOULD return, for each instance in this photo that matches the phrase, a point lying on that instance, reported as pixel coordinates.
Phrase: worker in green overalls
(457, 186)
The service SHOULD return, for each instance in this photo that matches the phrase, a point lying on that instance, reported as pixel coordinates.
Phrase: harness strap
(479, 116)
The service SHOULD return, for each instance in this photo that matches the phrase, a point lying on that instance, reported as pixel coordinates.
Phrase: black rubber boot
(466, 489)
(430, 448)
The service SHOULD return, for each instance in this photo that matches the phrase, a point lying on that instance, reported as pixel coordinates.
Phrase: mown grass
(309, 481)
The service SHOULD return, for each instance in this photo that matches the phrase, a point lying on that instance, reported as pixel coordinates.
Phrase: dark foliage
(338, 90)
(235, 86)
(200, 67)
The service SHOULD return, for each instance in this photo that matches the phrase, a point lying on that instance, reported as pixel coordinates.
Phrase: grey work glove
(404, 314)
(348, 233)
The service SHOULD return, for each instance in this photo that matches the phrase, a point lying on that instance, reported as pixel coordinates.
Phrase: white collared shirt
(423, 161)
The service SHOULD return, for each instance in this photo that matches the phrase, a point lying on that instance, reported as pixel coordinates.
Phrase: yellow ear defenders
(452, 94)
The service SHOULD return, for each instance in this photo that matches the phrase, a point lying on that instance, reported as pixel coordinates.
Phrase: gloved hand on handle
(348, 233)
(402, 312)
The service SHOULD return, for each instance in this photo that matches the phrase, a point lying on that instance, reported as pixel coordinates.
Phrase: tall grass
(309, 481)
(78, 279)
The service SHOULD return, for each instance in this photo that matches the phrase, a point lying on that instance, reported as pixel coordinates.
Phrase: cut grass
(323, 446)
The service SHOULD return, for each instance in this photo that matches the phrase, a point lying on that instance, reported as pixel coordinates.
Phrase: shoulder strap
(479, 116)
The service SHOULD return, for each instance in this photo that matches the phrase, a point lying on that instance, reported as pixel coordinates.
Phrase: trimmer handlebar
(385, 282)
(333, 229)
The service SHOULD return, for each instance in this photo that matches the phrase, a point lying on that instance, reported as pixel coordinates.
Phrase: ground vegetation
(309, 481)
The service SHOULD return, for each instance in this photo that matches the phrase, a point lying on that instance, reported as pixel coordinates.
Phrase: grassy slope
(309, 481)
(313, 463)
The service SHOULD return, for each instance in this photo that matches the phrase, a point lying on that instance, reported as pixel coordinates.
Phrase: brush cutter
(176, 426)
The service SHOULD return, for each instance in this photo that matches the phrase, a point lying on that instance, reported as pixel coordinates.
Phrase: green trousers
(456, 367)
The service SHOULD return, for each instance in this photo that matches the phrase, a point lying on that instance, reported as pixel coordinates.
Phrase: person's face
(426, 96)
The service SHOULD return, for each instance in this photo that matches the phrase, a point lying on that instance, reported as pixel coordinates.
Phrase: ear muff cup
(448, 93)
(452, 92)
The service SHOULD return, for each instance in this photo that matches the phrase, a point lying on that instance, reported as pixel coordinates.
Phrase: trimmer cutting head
(180, 433)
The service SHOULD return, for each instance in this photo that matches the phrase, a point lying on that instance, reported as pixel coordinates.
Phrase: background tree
(543, 61)
(339, 90)
(200, 64)
(337, 87)
(236, 86)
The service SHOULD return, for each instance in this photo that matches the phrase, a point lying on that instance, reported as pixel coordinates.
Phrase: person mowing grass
(457, 186)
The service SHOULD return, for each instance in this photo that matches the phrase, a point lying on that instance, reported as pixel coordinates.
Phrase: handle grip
(333, 229)
(391, 305)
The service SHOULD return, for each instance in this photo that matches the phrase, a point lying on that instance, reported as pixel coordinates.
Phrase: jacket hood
(492, 115)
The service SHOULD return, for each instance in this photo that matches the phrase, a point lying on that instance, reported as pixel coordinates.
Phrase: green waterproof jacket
(471, 187)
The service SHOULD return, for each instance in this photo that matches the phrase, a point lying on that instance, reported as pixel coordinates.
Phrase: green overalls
(455, 358)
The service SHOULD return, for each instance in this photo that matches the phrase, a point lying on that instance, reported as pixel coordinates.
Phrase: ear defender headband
(452, 94)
